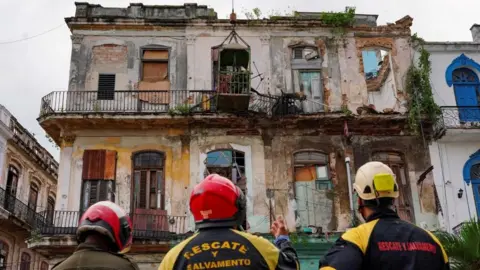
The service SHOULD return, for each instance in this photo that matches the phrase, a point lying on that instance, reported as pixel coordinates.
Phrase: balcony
(458, 122)
(145, 227)
(18, 212)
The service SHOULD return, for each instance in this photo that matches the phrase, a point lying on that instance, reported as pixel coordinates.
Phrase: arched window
(149, 184)
(396, 162)
(467, 93)
(3, 255)
(33, 196)
(25, 260)
(50, 208)
(11, 188)
(44, 266)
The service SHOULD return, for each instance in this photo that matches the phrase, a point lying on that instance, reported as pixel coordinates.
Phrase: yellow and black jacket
(230, 249)
(386, 242)
(89, 257)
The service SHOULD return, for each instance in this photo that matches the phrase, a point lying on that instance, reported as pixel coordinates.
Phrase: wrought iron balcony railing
(155, 227)
(19, 210)
(454, 117)
(168, 102)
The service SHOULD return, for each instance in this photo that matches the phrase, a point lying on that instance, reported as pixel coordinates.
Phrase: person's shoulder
(360, 235)
(171, 257)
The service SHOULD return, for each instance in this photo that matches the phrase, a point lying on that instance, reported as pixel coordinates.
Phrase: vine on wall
(419, 90)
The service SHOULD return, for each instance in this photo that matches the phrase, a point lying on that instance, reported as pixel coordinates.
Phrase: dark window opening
(11, 188)
(50, 209)
(25, 261)
(33, 196)
(3, 255)
(231, 70)
(106, 87)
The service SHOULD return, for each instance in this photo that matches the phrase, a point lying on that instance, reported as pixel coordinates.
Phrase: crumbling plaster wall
(89, 59)
(169, 141)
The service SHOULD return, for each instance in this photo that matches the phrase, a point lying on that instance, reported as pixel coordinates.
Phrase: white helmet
(375, 180)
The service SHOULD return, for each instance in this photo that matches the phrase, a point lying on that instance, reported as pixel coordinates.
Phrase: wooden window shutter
(99, 164)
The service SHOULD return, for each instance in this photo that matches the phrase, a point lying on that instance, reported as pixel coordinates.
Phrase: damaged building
(287, 108)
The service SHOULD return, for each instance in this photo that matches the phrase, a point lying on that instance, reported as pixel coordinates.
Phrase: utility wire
(34, 36)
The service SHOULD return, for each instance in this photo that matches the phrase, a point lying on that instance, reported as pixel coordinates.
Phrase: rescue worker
(384, 241)
(104, 234)
(218, 208)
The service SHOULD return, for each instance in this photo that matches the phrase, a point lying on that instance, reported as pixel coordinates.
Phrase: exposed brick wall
(109, 54)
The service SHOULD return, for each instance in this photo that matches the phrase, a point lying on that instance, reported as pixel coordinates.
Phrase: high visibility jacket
(230, 249)
(90, 257)
(386, 242)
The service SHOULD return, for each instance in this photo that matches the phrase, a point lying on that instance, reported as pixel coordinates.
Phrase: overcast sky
(34, 67)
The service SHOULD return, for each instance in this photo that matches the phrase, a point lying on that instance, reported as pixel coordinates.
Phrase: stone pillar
(73, 84)
(3, 167)
(266, 59)
(63, 182)
(191, 62)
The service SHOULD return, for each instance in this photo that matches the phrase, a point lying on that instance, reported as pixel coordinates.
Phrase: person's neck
(97, 242)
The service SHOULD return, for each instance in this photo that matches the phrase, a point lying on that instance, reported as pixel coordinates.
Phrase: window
(50, 209)
(106, 87)
(44, 266)
(230, 164)
(98, 175)
(149, 184)
(396, 163)
(3, 255)
(33, 196)
(96, 191)
(155, 65)
(467, 94)
(306, 53)
(298, 53)
(11, 188)
(312, 166)
(25, 261)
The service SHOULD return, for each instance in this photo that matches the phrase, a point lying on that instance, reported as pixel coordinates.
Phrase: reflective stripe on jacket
(230, 249)
(386, 242)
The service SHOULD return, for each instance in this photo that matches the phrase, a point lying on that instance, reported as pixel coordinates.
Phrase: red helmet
(217, 202)
(108, 219)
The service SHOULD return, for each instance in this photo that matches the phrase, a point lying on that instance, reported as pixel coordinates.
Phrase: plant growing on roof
(339, 20)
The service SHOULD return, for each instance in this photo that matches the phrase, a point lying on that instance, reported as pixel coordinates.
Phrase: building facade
(28, 186)
(286, 107)
(455, 155)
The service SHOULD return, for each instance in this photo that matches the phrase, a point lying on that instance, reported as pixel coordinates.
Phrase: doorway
(11, 188)
(467, 94)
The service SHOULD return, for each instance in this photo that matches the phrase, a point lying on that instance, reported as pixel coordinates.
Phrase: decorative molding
(76, 38)
(461, 61)
(67, 140)
(190, 39)
(265, 39)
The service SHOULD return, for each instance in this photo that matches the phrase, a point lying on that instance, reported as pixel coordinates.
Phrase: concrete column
(191, 62)
(63, 182)
(3, 152)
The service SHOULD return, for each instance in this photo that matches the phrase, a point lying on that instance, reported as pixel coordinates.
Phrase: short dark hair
(379, 203)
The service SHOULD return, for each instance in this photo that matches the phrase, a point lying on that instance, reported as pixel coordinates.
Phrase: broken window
(306, 53)
(312, 166)
(396, 163)
(229, 164)
(376, 67)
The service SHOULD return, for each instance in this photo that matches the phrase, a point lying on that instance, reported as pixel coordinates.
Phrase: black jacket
(89, 257)
(230, 249)
(386, 242)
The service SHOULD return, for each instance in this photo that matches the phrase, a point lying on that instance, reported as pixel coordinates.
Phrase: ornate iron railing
(176, 102)
(155, 227)
(463, 117)
(19, 210)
